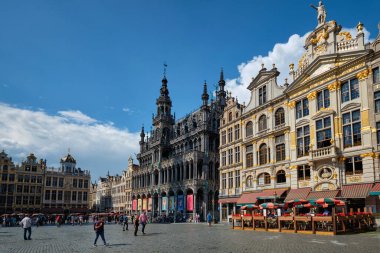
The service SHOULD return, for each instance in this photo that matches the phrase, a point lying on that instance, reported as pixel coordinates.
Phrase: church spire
(221, 93)
(205, 95)
(222, 83)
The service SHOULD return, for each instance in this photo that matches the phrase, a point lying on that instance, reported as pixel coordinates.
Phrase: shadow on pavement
(118, 244)
(149, 234)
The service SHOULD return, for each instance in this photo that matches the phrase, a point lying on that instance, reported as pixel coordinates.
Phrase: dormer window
(263, 95)
(230, 117)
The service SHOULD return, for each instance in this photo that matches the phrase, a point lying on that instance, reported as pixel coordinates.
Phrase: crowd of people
(26, 221)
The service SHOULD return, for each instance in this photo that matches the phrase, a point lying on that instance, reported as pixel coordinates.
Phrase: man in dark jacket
(99, 230)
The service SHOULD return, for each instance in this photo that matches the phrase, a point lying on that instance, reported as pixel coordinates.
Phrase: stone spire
(221, 93)
(205, 95)
(142, 134)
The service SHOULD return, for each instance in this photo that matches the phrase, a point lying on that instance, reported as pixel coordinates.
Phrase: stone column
(184, 204)
(220, 212)
(312, 111)
(194, 204)
(159, 204)
(204, 204)
(181, 172)
(153, 204)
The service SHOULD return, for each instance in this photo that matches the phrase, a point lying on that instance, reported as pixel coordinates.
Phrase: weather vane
(165, 66)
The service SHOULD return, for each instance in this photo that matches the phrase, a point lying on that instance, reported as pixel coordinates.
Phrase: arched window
(230, 116)
(281, 177)
(263, 154)
(262, 122)
(249, 129)
(279, 117)
(249, 182)
(264, 179)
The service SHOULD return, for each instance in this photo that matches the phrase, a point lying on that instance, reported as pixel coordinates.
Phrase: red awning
(300, 193)
(272, 192)
(323, 194)
(375, 191)
(228, 200)
(376, 188)
(249, 198)
(356, 190)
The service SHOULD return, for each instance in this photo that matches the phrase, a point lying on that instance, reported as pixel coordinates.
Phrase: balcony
(323, 153)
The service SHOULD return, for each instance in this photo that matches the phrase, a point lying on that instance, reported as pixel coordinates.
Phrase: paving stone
(179, 238)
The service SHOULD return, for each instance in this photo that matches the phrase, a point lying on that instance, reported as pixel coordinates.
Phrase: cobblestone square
(179, 238)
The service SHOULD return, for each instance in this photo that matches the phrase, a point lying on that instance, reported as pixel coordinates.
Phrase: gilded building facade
(21, 186)
(179, 161)
(32, 187)
(316, 136)
(66, 189)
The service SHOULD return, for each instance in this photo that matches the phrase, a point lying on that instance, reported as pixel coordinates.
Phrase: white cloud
(126, 109)
(282, 55)
(76, 116)
(98, 147)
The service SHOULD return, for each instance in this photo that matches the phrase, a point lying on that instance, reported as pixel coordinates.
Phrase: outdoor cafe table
(260, 219)
(284, 219)
(304, 219)
(247, 218)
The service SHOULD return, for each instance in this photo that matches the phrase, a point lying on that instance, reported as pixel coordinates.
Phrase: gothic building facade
(179, 160)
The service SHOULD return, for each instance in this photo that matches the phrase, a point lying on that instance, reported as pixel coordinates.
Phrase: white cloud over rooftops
(98, 147)
(281, 55)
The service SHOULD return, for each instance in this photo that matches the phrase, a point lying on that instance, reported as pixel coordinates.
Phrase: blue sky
(85, 74)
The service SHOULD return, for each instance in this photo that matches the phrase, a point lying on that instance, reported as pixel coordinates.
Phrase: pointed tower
(163, 116)
(142, 139)
(205, 96)
(221, 93)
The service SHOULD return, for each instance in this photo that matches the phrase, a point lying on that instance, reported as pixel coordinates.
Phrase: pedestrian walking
(26, 224)
(136, 224)
(125, 222)
(99, 230)
(143, 221)
(209, 219)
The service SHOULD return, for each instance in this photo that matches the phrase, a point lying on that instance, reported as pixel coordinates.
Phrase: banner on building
(139, 204)
(150, 204)
(134, 204)
(171, 203)
(164, 206)
(189, 202)
(145, 201)
(180, 202)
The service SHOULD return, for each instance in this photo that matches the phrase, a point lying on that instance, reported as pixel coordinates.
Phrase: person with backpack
(99, 230)
(125, 221)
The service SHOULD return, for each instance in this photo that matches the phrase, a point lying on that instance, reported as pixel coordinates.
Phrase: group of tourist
(123, 220)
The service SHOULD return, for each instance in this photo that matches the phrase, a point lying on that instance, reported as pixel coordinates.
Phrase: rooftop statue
(321, 12)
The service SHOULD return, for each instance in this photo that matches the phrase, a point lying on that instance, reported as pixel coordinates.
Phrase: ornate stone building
(179, 161)
(103, 201)
(66, 189)
(128, 174)
(32, 187)
(318, 135)
(21, 187)
(231, 161)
